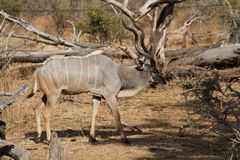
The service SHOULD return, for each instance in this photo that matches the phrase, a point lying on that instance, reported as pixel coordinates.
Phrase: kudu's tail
(34, 90)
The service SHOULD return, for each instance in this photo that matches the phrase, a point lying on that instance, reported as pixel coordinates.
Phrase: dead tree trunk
(221, 57)
(56, 151)
(14, 151)
(40, 56)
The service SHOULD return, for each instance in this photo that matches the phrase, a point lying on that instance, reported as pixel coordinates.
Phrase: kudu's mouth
(153, 84)
(157, 80)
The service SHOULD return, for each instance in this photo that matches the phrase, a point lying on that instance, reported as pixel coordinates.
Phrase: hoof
(47, 142)
(38, 140)
(92, 140)
(126, 141)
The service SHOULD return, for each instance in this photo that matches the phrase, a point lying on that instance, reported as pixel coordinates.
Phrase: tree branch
(187, 23)
(123, 8)
(49, 37)
(13, 98)
(5, 94)
(150, 4)
(34, 39)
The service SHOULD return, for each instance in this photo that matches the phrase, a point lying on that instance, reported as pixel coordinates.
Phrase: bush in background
(11, 6)
(103, 25)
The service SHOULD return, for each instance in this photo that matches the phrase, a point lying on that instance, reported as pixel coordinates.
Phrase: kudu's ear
(140, 65)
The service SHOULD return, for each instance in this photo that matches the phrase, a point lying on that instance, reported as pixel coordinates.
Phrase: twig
(6, 94)
(75, 37)
(229, 86)
(33, 39)
(5, 46)
(2, 23)
(4, 28)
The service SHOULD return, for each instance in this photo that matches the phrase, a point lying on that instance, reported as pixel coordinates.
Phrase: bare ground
(152, 121)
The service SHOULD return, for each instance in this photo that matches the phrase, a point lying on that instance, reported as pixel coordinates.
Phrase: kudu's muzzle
(157, 79)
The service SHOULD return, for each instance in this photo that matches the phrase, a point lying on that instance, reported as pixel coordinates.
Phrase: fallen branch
(48, 38)
(220, 57)
(40, 56)
(13, 98)
(27, 26)
(5, 94)
(34, 39)
(48, 42)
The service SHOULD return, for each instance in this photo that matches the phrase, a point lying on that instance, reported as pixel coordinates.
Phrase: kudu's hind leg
(47, 110)
(113, 106)
(95, 104)
(37, 111)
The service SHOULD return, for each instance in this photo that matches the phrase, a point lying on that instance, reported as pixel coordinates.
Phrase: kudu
(96, 74)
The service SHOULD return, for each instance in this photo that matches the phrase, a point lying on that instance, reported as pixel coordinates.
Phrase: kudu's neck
(133, 79)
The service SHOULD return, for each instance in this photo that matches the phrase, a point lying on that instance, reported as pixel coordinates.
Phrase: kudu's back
(94, 73)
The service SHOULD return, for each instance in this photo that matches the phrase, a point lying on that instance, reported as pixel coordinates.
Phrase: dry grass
(152, 121)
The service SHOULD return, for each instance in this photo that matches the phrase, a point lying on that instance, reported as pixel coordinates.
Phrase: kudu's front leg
(113, 106)
(95, 104)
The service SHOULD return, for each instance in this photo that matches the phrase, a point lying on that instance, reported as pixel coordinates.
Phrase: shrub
(11, 6)
(218, 104)
(98, 23)
(103, 25)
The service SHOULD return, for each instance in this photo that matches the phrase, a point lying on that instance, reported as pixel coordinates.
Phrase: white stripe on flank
(66, 70)
(88, 70)
(54, 69)
(95, 72)
(75, 68)
(80, 74)
(43, 68)
(97, 52)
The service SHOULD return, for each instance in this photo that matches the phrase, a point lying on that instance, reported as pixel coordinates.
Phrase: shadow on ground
(159, 136)
(162, 145)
